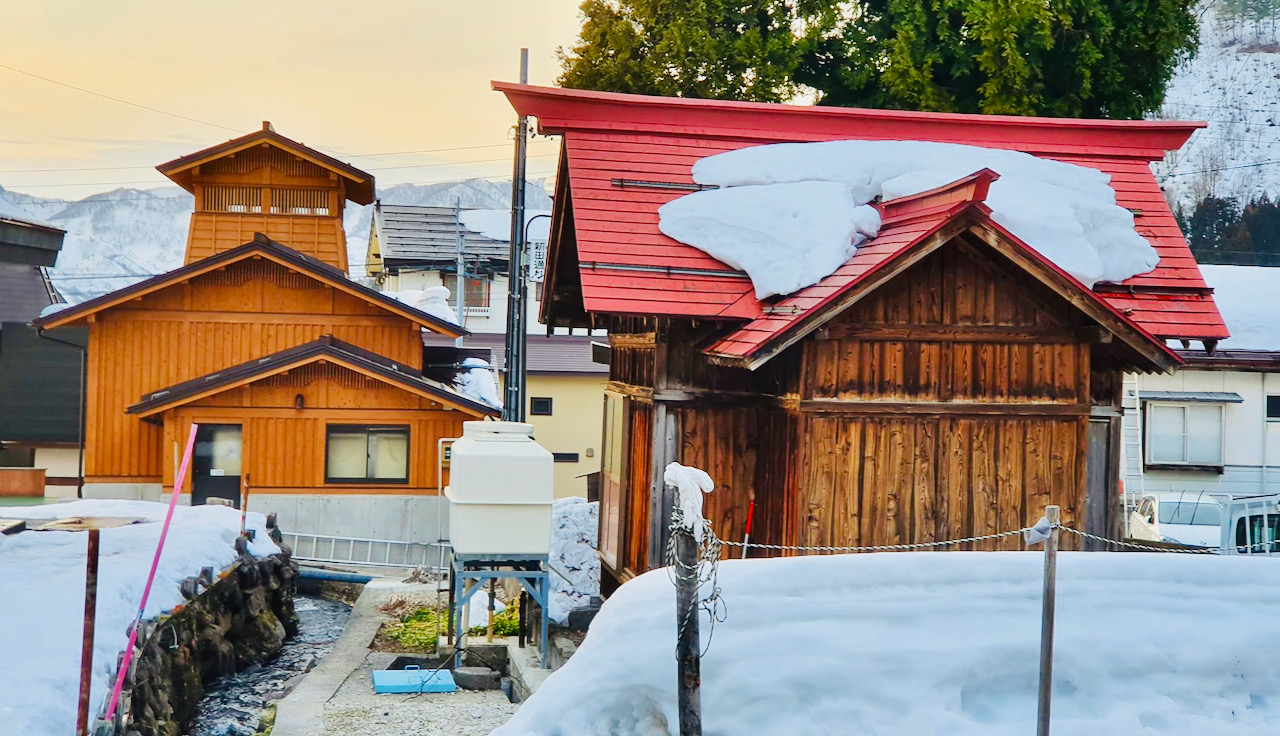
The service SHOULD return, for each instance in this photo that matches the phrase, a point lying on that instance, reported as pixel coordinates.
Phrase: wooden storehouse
(304, 382)
(947, 381)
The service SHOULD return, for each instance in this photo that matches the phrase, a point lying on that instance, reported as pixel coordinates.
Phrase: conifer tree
(1088, 58)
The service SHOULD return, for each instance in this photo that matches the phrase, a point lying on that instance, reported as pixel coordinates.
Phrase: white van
(1250, 525)
(1180, 517)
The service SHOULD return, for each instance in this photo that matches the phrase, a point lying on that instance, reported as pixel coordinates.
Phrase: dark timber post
(1046, 621)
(517, 291)
(687, 654)
(86, 645)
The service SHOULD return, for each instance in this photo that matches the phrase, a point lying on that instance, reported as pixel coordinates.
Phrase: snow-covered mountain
(1233, 83)
(121, 236)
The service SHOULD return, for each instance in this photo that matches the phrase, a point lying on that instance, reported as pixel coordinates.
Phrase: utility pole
(513, 399)
(462, 267)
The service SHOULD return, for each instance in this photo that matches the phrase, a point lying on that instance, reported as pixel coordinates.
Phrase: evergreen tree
(720, 49)
(1090, 58)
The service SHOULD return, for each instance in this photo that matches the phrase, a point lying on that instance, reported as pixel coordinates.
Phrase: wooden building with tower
(306, 385)
(947, 381)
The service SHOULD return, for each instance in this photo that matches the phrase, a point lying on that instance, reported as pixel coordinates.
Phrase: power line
(352, 155)
(117, 99)
(1225, 168)
(87, 200)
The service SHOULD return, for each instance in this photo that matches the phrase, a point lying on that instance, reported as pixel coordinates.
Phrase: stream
(233, 705)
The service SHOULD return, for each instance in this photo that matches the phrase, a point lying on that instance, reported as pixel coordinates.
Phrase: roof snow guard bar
(676, 185)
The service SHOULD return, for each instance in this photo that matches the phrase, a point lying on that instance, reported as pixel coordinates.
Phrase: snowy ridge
(935, 643)
(790, 214)
(1233, 83)
(125, 235)
(40, 627)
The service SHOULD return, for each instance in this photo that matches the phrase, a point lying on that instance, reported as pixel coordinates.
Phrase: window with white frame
(1184, 434)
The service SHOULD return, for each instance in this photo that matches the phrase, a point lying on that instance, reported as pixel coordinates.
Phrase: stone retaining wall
(239, 619)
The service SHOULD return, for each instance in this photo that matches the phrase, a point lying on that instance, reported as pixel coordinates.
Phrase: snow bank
(936, 643)
(785, 213)
(1243, 295)
(477, 382)
(42, 598)
(496, 224)
(575, 524)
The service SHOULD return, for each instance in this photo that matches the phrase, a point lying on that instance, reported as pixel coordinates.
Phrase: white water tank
(501, 487)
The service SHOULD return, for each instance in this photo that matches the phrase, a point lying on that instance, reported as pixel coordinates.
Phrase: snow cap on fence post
(1041, 532)
(690, 484)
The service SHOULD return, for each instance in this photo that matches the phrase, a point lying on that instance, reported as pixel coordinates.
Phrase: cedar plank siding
(273, 428)
(952, 402)
(250, 309)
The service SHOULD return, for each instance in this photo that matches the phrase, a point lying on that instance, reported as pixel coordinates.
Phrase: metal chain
(1131, 545)
(705, 571)
(877, 547)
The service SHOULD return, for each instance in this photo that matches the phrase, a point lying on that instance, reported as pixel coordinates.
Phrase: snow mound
(1243, 295)
(936, 643)
(476, 382)
(574, 528)
(42, 598)
(790, 213)
(434, 300)
(478, 609)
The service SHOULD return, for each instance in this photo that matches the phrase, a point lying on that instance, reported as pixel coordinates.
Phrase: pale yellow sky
(374, 77)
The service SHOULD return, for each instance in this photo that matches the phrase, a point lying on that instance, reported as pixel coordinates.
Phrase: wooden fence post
(1046, 621)
(687, 646)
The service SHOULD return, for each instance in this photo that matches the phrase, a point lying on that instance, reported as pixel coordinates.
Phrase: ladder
(1131, 445)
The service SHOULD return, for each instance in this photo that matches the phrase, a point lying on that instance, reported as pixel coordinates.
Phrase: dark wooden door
(215, 471)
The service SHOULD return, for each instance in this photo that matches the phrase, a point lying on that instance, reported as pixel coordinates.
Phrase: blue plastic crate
(414, 679)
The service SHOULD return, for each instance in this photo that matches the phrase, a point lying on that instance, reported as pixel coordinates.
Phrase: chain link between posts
(1143, 547)
(877, 547)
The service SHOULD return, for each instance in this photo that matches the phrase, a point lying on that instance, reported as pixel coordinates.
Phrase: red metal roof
(618, 145)
(906, 223)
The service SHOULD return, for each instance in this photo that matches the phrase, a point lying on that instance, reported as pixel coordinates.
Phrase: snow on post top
(690, 484)
(789, 214)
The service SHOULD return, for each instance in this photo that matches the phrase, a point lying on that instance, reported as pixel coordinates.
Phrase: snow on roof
(1244, 297)
(42, 574)
(496, 224)
(477, 382)
(934, 643)
(790, 214)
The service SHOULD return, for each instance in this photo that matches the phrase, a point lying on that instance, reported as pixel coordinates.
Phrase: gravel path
(356, 709)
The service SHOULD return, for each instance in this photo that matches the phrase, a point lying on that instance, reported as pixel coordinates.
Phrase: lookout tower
(266, 183)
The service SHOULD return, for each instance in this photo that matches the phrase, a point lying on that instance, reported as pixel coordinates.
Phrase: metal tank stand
(467, 574)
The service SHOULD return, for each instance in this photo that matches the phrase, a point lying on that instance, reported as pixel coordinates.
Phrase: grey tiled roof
(547, 354)
(413, 234)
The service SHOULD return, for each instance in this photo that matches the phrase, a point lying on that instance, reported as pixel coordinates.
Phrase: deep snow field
(42, 598)
(937, 643)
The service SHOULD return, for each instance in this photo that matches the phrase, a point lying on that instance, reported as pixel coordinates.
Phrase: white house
(1214, 424)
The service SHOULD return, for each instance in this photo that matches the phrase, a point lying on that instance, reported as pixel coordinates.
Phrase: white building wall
(58, 462)
(1251, 443)
(490, 318)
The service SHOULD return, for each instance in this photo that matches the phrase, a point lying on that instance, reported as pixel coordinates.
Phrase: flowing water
(233, 705)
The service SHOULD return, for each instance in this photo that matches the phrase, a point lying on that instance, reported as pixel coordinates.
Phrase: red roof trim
(559, 110)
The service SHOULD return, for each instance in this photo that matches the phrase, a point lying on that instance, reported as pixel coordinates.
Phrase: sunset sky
(382, 78)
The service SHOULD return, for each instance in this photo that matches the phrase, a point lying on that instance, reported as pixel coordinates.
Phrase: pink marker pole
(178, 483)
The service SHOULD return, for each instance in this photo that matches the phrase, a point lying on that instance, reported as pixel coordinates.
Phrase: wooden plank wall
(952, 402)
(896, 480)
(636, 493)
(249, 310)
(284, 447)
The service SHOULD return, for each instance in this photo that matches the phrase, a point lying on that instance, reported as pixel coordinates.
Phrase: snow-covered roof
(1244, 297)
(628, 155)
